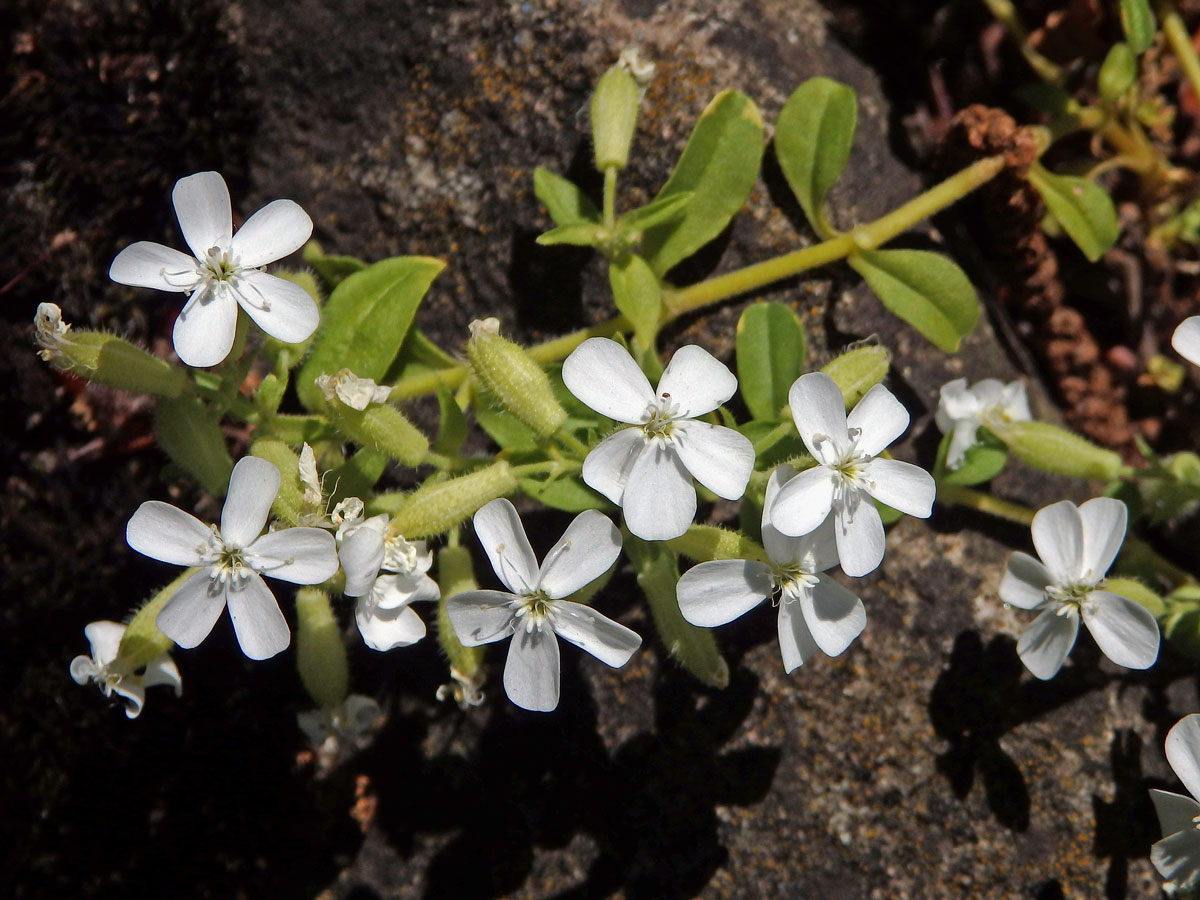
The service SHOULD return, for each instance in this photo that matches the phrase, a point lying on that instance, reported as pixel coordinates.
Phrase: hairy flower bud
(435, 508)
(356, 407)
(614, 111)
(858, 370)
(320, 650)
(1058, 451)
(511, 376)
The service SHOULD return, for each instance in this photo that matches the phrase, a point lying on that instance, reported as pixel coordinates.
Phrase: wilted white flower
(232, 558)
(848, 474)
(1177, 855)
(533, 610)
(335, 734)
(50, 332)
(1186, 340)
(648, 469)
(963, 410)
(1077, 545)
(383, 614)
(224, 271)
(357, 393)
(815, 612)
(111, 677)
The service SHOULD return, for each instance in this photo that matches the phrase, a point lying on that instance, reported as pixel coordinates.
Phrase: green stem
(863, 237)
(1006, 14)
(578, 447)
(610, 196)
(771, 438)
(1180, 43)
(551, 466)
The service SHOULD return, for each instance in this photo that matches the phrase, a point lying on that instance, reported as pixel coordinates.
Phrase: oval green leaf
(1081, 206)
(770, 356)
(1137, 21)
(191, 435)
(638, 295)
(564, 201)
(812, 142)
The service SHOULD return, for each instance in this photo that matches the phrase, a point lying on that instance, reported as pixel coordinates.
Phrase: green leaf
(566, 492)
(564, 201)
(783, 448)
(858, 370)
(770, 356)
(1138, 593)
(718, 167)
(366, 320)
(1081, 206)
(1117, 73)
(638, 296)
(503, 427)
(1137, 20)
(191, 435)
(925, 289)
(812, 141)
(981, 462)
(656, 212)
(418, 354)
(887, 514)
(579, 234)
(452, 424)
(332, 270)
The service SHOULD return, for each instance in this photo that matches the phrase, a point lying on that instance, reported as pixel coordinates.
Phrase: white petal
(608, 641)
(1175, 812)
(1024, 582)
(105, 640)
(880, 419)
(282, 309)
(395, 591)
(1045, 643)
(1177, 859)
(962, 439)
(531, 671)
(1124, 630)
(859, 532)
(134, 695)
(716, 592)
(252, 488)
(1104, 521)
(804, 502)
(816, 551)
(659, 499)
(386, 629)
(83, 668)
(696, 381)
(1186, 340)
(204, 331)
(1183, 752)
(603, 375)
(778, 545)
(1058, 537)
(162, 531)
(718, 457)
(503, 538)
(902, 486)
(796, 644)
(257, 620)
(162, 671)
(606, 468)
(150, 265)
(361, 555)
(819, 412)
(202, 207)
(834, 615)
(277, 230)
(587, 549)
(955, 403)
(480, 617)
(299, 555)
(193, 610)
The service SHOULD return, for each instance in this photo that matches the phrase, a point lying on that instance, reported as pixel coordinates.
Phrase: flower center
(227, 561)
(534, 609)
(792, 582)
(218, 266)
(660, 416)
(399, 555)
(1068, 597)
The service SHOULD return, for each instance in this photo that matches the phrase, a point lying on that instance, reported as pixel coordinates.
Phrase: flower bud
(456, 575)
(703, 543)
(320, 650)
(1058, 451)
(357, 408)
(436, 507)
(103, 358)
(858, 370)
(142, 641)
(614, 111)
(288, 502)
(511, 376)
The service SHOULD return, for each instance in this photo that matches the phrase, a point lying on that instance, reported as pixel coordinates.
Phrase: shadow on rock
(1125, 826)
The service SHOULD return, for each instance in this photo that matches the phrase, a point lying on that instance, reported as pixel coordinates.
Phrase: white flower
(356, 393)
(532, 611)
(1077, 545)
(847, 474)
(648, 469)
(113, 678)
(1177, 855)
(224, 271)
(335, 734)
(382, 613)
(232, 558)
(963, 410)
(815, 612)
(50, 332)
(1186, 340)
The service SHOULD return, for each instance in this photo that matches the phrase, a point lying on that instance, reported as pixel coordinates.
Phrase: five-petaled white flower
(533, 610)
(648, 469)
(232, 558)
(848, 474)
(1177, 855)
(1186, 340)
(963, 410)
(1077, 545)
(112, 677)
(815, 612)
(225, 272)
(382, 613)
